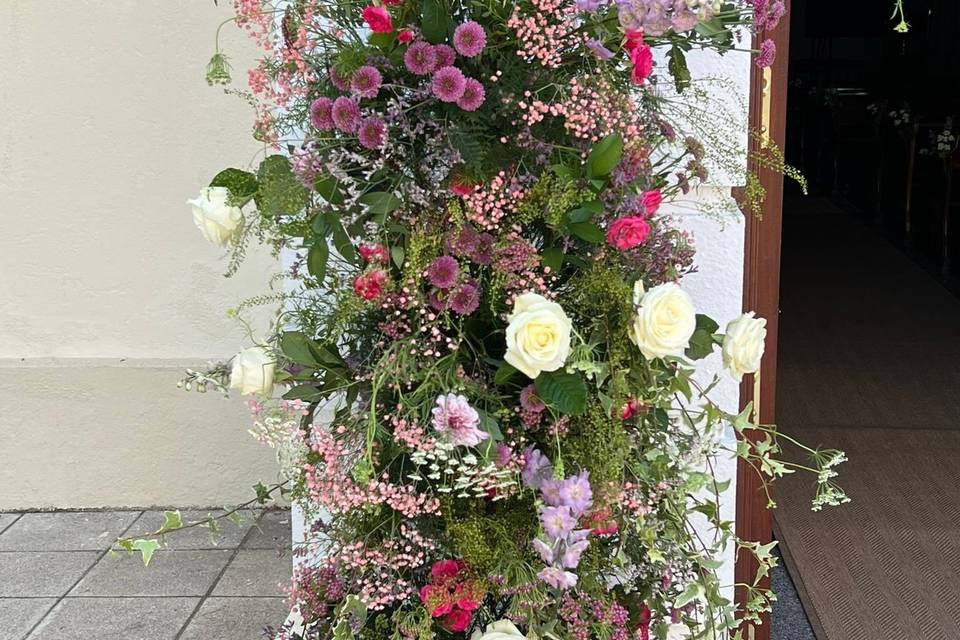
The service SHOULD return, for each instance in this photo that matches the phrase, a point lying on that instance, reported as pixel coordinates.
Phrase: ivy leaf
(605, 156)
(171, 520)
(146, 549)
(503, 374)
(491, 426)
(280, 192)
(702, 342)
(435, 22)
(678, 68)
(263, 494)
(565, 392)
(694, 591)
(296, 347)
(552, 257)
(587, 231)
(241, 184)
(380, 203)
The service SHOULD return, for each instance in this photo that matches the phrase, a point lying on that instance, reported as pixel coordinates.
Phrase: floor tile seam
(10, 524)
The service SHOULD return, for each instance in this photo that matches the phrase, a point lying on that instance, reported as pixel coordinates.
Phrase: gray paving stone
(272, 531)
(41, 573)
(171, 573)
(239, 618)
(66, 530)
(6, 519)
(228, 537)
(116, 619)
(255, 572)
(18, 615)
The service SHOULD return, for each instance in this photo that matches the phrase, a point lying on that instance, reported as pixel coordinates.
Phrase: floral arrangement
(487, 357)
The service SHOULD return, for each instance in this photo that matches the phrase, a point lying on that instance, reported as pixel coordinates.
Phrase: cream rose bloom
(743, 344)
(664, 322)
(253, 371)
(218, 221)
(499, 630)
(677, 631)
(538, 335)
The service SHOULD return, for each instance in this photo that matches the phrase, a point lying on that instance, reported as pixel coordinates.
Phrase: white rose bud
(743, 345)
(665, 321)
(677, 631)
(253, 371)
(218, 221)
(499, 630)
(538, 335)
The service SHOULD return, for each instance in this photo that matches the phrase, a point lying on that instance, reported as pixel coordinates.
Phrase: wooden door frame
(761, 292)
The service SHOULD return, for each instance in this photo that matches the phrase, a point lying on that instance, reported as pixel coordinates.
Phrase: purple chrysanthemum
(321, 114)
(339, 81)
(420, 58)
(465, 299)
(473, 95)
(558, 578)
(443, 272)
(346, 114)
(448, 84)
(372, 133)
(445, 55)
(366, 81)
(768, 53)
(557, 522)
(469, 39)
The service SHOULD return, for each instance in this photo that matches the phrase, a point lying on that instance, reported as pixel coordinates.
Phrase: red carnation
(378, 19)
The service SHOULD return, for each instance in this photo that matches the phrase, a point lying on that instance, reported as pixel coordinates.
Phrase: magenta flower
(558, 578)
(443, 272)
(346, 114)
(768, 53)
(454, 417)
(445, 55)
(465, 299)
(469, 39)
(366, 82)
(420, 58)
(448, 84)
(372, 133)
(473, 95)
(320, 114)
(341, 82)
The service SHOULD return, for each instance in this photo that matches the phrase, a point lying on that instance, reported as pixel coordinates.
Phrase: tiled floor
(58, 580)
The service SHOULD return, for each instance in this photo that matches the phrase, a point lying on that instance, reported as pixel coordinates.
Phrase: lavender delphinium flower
(420, 58)
(558, 578)
(558, 522)
(372, 133)
(443, 271)
(536, 468)
(366, 82)
(576, 494)
(469, 39)
(454, 417)
(345, 114)
(448, 84)
(600, 51)
(590, 5)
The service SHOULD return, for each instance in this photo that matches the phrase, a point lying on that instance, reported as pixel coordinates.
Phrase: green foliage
(605, 156)
(242, 185)
(279, 191)
(564, 392)
(435, 23)
(599, 444)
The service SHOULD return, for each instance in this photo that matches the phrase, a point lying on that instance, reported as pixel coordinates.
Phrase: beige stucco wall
(107, 290)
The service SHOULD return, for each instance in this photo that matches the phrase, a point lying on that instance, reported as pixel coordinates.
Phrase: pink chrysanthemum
(445, 55)
(465, 299)
(338, 80)
(473, 95)
(321, 114)
(443, 272)
(345, 114)
(448, 84)
(454, 417)
(366, 81)
(420, 58)
(469, 39)
(372, 133)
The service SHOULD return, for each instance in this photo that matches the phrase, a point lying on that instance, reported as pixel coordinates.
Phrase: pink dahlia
(443, 272)
(473, 95)
(372, 133)
(445, 55)
(321, 114)
(448, 84)
(366, 82)
(378, 19)
(454, 417)
(345, 114)
(338, 80)
(420, 58)
(627, 233)
(469, 39)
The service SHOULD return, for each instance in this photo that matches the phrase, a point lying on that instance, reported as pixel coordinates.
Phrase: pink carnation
(454, 417)
(321, 114)
(626, 233)
(378, 19)
(420, 58)
(448, 84)
(473, 95)
(651, 201)
(469, 39)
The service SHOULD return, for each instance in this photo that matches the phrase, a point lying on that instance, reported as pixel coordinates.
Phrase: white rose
(253, 371)
(743, 344)
(664, 322)
(677, 631)
(218, 221)
(538, 335)
(499, 630)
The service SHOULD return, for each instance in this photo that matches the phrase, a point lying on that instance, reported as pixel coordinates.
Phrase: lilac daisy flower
(420, 58)
(558, 578)
(454, 417)
(575, 493)
(469, 39)
(473, 96)
(599, 50)
(445, 55)
(465, 299)
(557, 521)
(320, 114)
(339, 81)
(448, 84)
(443, 272)
(372, 133)
(346, 114)
(536, 468)
(366, 81)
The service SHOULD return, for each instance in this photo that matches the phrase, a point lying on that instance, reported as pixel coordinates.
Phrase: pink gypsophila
(469, 39)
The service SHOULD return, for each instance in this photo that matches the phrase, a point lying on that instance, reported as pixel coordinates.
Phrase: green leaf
(398, 254)
(320, 225)
(317, 259)
(585, 211)
(605, 156)
(678, 68)
(296, 347)
(380, 202)
(343, 243)
(488, 424)
(146, 549)
(305, 392)
(171, 520)
(241, 184)
(587, 231)
(552, 257)
(329, 188)
(503, 374)
(280, 192)
(382, 40)
(435, 22)
(694, 591)
(702, 340)
(565, 392)
(263, 494)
